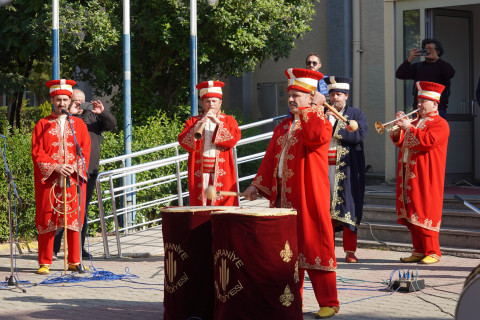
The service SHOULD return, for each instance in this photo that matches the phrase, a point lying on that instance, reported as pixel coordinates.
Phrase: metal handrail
(123, 190)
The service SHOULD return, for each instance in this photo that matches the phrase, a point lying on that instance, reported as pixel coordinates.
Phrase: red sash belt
(332, 157)
(208, 165)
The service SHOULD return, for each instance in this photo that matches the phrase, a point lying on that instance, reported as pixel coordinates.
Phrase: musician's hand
(399, 114)
(64, 170)
(213, 118)
(318, 99)
(330, 113)
(251, 193)
(199, 123)
(403, 123)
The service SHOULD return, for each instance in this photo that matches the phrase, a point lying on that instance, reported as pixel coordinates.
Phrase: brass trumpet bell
(389, 126)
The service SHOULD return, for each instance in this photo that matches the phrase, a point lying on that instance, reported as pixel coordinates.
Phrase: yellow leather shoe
(76, 267)
(72, 267)
(411, 259)
(429, 260)
(325, 312)
(43, 270)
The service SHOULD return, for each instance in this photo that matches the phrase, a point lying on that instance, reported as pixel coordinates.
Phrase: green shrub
(158, 130)
(19, 160)
(29, 115)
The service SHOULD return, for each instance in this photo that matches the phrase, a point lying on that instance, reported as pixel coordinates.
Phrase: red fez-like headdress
(61, 86)
(429, 90)
(304, 80)
(210, 89)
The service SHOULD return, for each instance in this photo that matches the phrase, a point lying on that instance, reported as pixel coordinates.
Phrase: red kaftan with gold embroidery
(49, 148)
(304, 184)
(225, 136)
(421, 172)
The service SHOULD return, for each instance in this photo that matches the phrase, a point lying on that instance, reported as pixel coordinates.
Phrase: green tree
(26, 42)
(233, 38)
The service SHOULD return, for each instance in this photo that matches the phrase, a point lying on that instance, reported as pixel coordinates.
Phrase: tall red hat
(304, 80)
(61, 86)
(429, 90)
(210, 89)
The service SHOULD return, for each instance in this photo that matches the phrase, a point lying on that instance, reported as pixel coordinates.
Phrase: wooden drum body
(187, 238)
(255, 264)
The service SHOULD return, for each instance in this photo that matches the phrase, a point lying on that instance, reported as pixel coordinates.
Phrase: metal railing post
(179, 180)
(234, 152)
(102, 218)
(115, 218)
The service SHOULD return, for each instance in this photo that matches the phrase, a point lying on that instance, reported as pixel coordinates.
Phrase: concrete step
(449, 202)
(458, 218)
(468, 238)
(407, 247)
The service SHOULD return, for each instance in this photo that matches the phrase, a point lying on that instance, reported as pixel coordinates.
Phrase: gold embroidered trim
(426, 224)
(303, 264)
(287, 253)
(287, 297)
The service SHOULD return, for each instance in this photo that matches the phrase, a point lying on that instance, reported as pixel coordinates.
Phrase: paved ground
(361, 287)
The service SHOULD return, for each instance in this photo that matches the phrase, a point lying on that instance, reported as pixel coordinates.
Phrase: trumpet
(389, 126)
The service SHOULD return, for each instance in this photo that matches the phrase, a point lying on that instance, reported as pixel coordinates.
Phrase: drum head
(197, 208)
(260, 212)
(468, 307)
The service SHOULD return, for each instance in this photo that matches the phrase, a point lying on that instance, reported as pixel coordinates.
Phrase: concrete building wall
(372, 81)
(273, 71)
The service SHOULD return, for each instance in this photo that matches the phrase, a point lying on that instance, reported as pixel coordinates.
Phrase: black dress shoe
(85, 254)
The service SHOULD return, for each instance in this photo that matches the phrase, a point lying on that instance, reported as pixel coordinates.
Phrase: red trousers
(45, 248)
(349, 239)
(324, 285)
(425, 242)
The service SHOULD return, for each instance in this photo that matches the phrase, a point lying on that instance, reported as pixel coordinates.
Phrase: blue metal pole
(193, 58)
(127, 104)
(55, 41)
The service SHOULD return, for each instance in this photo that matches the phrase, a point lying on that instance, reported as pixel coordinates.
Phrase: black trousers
(57, 242)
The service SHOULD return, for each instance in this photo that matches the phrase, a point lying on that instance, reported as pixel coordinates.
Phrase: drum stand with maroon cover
(255, 264)
(187, 238)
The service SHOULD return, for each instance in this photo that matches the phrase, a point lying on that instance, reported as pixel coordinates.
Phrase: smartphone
(424, 52)
(86, 106)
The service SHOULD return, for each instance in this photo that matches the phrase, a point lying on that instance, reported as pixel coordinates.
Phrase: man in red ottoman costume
(294, 174)
(210, 159)
(54, 159)
(421, 173)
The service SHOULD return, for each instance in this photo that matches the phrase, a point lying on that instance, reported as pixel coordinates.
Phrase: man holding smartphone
(433, 69)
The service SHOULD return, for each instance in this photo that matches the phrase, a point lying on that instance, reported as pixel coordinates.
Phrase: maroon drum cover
(255, 264)
(187, 239)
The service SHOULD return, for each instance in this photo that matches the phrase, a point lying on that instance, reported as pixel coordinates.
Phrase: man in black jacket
(433, 69)
(97, 119)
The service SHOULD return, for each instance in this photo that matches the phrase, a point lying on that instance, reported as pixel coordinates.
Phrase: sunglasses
(313, 63)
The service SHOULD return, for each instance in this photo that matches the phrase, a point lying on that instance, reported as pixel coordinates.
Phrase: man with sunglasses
(313, 62)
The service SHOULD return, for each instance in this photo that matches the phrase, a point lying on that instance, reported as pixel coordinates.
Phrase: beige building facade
(365, 40)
